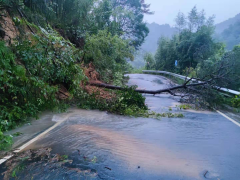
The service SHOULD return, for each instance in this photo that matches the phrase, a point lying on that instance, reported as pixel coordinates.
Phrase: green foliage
(5, 141)
(17, 134)
(12, 79)
(129, 102)
(108, 53)
(184, 106)
(167, 114)
(126, 102)
(227, 63)
(192, 45)
(75, 18)
(64, 157)
(137, 71)
(127, 19)
(17, 21)
(150, 61)
(51, 59)
(30, 73)
(199, 56)
(190, 72)
(166, 54)
(236, 102)
(10, 4)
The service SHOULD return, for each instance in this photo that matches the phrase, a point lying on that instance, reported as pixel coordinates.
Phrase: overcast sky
(166, 10)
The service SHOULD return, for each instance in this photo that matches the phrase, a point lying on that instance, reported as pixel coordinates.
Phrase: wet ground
(32, 128)
(202, 145)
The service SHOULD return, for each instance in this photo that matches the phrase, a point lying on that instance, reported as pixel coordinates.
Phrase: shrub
(236, 102)
(126, 102)
(30, 73)
(109, 54)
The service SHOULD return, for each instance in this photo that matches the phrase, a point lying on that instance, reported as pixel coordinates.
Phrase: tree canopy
(75, 18)
(191, 45)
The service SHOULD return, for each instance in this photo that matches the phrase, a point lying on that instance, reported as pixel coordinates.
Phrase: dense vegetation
(197, 53)
(226, 32)
(193, 43)
(55, 40)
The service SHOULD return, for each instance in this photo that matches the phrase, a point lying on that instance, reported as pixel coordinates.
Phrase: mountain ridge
(157, 30)
(220, 27)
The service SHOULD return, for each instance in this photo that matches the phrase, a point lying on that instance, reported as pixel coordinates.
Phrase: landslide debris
(94, 77)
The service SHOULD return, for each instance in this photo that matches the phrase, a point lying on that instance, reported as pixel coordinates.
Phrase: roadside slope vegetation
(46, 47)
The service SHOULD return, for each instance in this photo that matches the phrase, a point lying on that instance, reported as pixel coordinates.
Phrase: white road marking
(34, 139)
(230, 119)
(5, 159)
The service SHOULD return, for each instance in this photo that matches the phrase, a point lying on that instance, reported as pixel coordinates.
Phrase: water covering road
(202, 145)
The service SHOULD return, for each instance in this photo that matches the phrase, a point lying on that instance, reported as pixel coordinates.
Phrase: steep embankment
(8, 30)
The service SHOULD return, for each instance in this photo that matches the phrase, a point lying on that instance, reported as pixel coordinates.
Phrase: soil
(63, 93)
(9, 28)
(94, 77)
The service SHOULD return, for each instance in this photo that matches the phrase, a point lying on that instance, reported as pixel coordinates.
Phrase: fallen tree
(204, 89)
(167, 90)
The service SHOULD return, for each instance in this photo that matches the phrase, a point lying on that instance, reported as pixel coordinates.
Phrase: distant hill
(225, 24)
(151, 42)
(228, 32)
(231, 36)
(156, 31)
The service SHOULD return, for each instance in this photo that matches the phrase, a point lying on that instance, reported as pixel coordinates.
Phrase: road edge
(230, 119)
(17, 150)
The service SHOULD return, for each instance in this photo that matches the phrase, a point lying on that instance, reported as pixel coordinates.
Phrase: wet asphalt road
(202, 145)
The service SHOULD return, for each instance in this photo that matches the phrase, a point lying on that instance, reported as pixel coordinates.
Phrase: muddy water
(202, 145)
(131, 148)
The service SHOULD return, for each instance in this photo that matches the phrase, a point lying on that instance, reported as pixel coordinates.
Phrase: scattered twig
(205, 174)
(108, 168)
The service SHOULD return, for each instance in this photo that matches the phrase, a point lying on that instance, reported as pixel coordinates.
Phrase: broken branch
(168, 90)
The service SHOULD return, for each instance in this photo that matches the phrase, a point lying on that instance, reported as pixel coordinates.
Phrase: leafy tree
(31, 72)
(224, 64)
(128, 16)
(78, 17)
(166, 53)
(108, 53)
(150, 61)
(193, 18)
(180, 21)
(193, 44)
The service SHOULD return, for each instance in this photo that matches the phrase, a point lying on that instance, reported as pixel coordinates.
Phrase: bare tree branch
(168, 90)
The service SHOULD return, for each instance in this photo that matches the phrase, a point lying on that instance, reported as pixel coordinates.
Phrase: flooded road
(202, 145)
